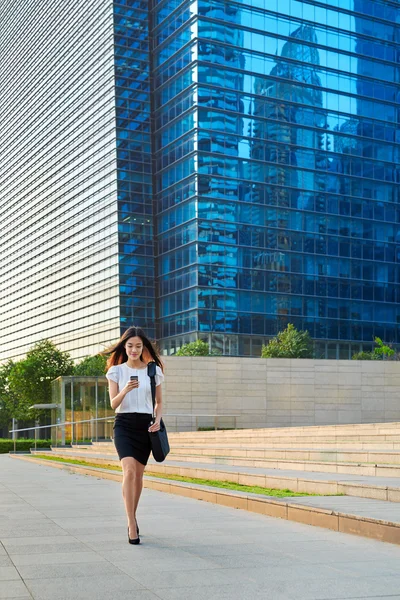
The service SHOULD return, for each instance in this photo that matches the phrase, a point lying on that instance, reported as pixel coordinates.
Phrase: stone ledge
(279, 480)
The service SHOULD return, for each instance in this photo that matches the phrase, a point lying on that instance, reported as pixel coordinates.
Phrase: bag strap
(151, 372)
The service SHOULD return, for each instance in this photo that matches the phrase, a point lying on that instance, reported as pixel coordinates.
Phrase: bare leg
(132, 485)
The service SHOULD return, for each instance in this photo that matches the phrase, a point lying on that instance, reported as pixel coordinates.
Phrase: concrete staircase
(383, 436)
(361, 462)
(358, 449)
(259, 457)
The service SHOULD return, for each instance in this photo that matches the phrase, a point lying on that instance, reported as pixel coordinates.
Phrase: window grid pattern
(134, 161)
(296, 205)
(58, 193)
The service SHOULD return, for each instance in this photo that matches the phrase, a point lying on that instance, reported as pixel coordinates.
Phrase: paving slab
(190, 549)
(373, 509)
(9, 573)
(14, 589)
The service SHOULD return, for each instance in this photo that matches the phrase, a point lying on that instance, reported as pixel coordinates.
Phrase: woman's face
(134, 347)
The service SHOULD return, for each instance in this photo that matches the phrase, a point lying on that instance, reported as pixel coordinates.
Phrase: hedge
(7, 445)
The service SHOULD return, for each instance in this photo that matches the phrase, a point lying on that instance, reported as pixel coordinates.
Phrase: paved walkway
(63, 537)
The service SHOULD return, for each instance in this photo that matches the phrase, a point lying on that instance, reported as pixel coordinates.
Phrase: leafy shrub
(289, 343)
(381, 351)
(7, 445)
(364, 356)
(197, 348)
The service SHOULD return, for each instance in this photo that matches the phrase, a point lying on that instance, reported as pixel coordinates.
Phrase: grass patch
(227, 485)
(215, 429)
(73, 461)
(238, 487)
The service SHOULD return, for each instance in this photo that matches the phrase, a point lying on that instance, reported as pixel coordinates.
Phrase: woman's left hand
(155, 426)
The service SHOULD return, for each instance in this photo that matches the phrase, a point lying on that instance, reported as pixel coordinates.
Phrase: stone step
(374, 458)
(246, 435)
(354, 467)
(357, 436)
(382, 488)
(289, 444)
(331, 455)
(314, 430)
(367, 437)
(306, 444)
(375, 436)
(351, 468)
(333, 427)
(333, 446)
(365, 517)
(287, 441)
(292, 430)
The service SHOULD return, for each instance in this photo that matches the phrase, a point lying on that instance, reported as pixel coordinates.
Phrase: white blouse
(137, 400)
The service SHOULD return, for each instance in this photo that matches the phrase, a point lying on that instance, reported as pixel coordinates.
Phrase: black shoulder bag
(158, 439)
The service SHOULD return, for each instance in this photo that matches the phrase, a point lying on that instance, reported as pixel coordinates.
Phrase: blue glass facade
(277, 171)
(134, 164)
(201, 168)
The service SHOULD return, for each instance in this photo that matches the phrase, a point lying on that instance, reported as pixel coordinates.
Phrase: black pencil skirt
(131, 436)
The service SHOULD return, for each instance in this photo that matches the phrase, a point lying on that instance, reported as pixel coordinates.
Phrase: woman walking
(130, 396)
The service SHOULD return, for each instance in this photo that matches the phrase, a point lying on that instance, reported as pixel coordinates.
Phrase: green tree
(289, 343)
(381, 351)
(93, 366)
(30, 379)
(197, 348)
(8, 401)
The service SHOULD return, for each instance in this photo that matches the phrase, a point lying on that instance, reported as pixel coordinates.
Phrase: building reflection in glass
(296, 195)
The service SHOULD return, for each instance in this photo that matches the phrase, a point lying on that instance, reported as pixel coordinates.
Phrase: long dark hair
(118, 352)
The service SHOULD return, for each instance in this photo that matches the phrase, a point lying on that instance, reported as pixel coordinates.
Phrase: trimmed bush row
(7, 445)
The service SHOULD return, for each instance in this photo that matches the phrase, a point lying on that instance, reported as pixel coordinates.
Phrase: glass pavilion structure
(222, 169)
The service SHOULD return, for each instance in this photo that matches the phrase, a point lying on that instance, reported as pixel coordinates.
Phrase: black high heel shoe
(134, 542)
(137, 527)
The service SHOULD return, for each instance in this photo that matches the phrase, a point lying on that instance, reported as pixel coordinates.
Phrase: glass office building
(277, 171)
(203, 168)
(77, 259)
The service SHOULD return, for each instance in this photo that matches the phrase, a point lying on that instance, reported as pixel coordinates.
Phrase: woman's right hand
(131, 385)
